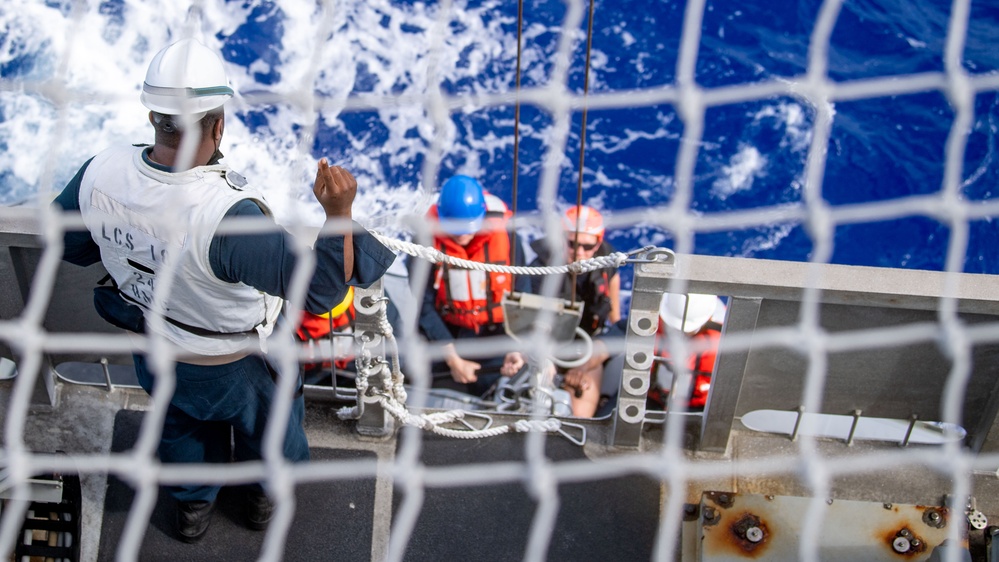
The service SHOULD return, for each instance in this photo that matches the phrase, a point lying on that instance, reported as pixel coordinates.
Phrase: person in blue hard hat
(154, 217)
(463, 303)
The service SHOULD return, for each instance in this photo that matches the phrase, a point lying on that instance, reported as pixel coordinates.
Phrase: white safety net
(813, 463)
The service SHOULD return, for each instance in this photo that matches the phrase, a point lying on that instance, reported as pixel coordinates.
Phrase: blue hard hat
(462, 206)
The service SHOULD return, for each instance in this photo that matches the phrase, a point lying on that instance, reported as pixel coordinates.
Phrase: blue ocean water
(752, 154)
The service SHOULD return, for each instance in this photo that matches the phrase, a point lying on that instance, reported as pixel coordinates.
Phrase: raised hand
(335, 189)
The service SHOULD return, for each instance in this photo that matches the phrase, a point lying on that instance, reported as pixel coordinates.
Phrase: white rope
(391, 395)
(433, 421)
(433, 255)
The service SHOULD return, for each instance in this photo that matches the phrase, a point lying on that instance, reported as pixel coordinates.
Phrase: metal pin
(908, 432)
(107, 374)
(368, 302)
(853, 428)
(797, 423)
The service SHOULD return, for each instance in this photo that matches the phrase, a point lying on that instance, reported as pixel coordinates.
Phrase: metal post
(908, 432)
(853, 428)
(651, 281)
(107, 374)
(797, 423)
(729, 375)
(25, 262)
(374, 420)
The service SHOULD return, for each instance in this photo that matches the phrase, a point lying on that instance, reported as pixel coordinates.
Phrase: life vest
(701, 364)
(592, 287)
(470, 298)
(315, 327)
(149, 223)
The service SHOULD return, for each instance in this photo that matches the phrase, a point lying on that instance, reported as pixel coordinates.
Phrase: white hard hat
(185, 77)
(698, 309)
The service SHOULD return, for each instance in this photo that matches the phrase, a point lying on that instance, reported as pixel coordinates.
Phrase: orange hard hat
(587, 219)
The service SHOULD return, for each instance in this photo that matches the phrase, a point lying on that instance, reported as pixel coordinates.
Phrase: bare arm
(614, 293)
(462, 370)
(335, 189)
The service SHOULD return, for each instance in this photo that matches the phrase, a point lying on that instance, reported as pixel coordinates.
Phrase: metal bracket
(652, 274)
(373, 420)
(41, 490)
(526, 312)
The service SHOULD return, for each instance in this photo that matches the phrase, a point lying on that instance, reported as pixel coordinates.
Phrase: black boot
(193, 519)
(259, 510)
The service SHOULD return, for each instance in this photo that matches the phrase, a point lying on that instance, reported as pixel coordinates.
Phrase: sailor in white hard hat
(689, 313)
(699, 318)
(185, 88)
(152, 215)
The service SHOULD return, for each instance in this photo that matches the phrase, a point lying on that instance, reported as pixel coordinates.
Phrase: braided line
(433, 255)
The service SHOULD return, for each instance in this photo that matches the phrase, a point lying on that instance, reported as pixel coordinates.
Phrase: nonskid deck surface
(333, 519)
(467, 512)
(597, 520)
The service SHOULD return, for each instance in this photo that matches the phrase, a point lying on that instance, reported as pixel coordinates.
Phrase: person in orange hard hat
(598, 290)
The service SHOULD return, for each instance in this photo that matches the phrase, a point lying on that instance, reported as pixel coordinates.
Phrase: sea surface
(71, 72)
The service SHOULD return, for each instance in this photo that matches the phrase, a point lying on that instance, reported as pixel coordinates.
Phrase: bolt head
(754, 534)
(900, 545)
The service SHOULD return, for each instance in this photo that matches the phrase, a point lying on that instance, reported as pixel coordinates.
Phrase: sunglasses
(588, 247)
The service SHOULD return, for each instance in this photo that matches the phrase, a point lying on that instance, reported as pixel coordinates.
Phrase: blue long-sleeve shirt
(264, 261)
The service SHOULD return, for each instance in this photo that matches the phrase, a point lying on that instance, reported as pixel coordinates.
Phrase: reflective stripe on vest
(472, 298)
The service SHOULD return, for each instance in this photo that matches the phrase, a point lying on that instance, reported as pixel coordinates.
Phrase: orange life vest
(470, 298)
(314, 327)
(700, 364)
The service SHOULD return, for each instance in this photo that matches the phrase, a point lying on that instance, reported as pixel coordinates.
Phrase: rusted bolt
(723, 499)
(710, 515)
(905, 533)
(754, 534)
(689, 512)
(900, 545)
(887, 506)
(916, 543)
(934, 517)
